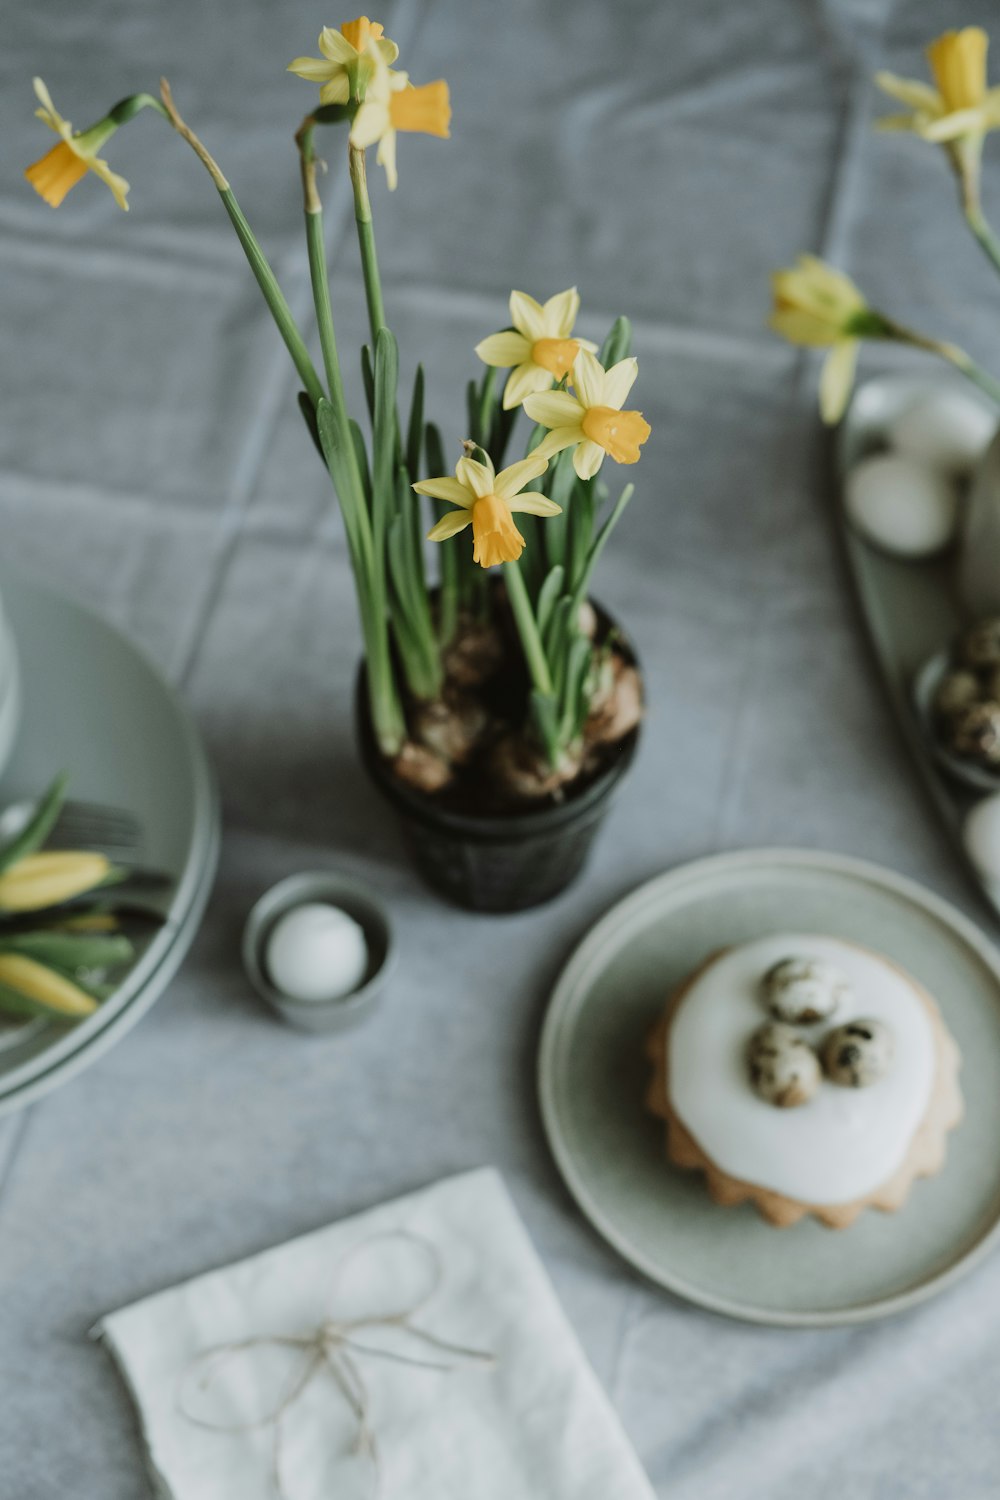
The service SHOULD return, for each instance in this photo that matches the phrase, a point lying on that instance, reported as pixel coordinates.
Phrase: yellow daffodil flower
(818, 306)
(45, 879)
(961, 104)
(44, 986)
(539, 350)
(348, 59)
(487, 502)
(392, 103)
(62, 168)
(590, 416)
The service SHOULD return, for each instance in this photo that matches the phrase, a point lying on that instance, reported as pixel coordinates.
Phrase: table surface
(153, 464)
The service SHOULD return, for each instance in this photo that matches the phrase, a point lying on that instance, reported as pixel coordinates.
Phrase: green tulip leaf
(39, 826)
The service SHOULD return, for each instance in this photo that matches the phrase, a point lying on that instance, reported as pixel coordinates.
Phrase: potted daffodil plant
(497, 704)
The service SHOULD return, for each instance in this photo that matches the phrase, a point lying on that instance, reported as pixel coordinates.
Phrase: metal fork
(81, 825)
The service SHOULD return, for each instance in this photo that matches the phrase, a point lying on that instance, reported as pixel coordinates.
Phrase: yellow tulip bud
(45, 879)
(44, 986)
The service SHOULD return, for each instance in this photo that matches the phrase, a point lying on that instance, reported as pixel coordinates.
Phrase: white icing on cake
(844, 1143)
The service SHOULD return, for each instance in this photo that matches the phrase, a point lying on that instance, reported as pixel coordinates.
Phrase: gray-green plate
(95, 707)
(593, 1075)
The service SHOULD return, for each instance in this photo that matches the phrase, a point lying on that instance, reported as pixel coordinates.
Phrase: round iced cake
(863, 1124)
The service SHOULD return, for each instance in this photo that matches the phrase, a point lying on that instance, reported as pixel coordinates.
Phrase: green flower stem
(126, 109)
(366, 544)
(976, 221)
(957, 357)
(973, 372)
(274, 297)
(871, 324)
(266, 279)
(527, 629)
(316, 248)
(366, 240)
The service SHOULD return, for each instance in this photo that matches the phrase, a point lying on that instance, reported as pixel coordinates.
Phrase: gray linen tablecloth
(665, 156)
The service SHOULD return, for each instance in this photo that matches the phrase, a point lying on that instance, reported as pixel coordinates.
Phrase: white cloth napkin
(535, 1426)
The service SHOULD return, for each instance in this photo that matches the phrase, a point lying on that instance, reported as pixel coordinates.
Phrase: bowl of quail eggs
(957, 697)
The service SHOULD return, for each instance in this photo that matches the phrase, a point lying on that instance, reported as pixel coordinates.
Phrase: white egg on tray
(945, 429)
(903, 507)
(981, 835)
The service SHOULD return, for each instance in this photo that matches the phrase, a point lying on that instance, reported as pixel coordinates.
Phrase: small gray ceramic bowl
(351, 896)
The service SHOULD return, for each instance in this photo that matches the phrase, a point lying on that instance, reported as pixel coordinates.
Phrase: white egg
(982, 836)
(316, 952)
(944, 428)
(904, 507)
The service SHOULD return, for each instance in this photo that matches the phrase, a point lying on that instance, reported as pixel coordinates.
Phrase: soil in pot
(469, 752)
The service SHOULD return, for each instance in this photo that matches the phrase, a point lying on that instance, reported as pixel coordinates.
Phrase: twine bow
(335, 1346)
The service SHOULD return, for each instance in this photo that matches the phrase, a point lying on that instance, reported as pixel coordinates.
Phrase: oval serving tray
(911, 608)
(593, 1075)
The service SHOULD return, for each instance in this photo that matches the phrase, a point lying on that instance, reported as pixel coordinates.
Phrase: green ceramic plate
(593, 1074)
(94, 706)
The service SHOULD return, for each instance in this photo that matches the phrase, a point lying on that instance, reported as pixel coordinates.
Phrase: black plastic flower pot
(494, 862)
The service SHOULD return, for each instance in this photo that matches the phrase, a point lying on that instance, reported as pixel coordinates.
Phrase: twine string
(334, 1346)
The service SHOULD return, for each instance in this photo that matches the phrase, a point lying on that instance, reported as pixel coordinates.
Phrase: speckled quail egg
(858, 1053)
(784, 1069)
(957, 690)
(980, 645)
(974, 733)
(803, 990)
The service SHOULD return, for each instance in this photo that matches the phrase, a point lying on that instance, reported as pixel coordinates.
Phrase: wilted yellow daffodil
(62, 168)
(818, 306)
(540, 348)
(44, 986)
(45, 879)
(348, 59)
(961, 105)
(590, 416)
(487, 502)
(392, 103)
